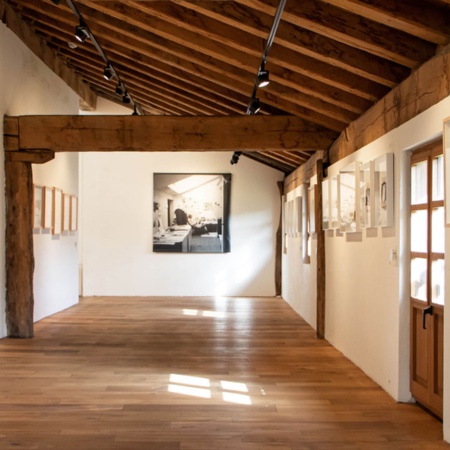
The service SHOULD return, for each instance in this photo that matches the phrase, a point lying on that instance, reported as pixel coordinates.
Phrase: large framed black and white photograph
(191, 212)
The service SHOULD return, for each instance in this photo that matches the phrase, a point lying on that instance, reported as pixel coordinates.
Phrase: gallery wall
(27, 87)
(117, 226)
(367, 273)
(117, 201)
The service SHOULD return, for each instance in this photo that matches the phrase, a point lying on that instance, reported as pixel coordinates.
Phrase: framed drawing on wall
(326, 204)
(334, 202)
(191, 212)
(348, 193)
(384, 190)
(37, 206)
(73, 213)
(312, 209)
(366, 195)
(47, 207)
(57, 211)
(66, 213)
(298, 215)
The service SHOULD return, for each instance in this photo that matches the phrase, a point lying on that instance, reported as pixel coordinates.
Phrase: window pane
(438, 231)
(419, 231)
(419, 278)
(437, 281)
(438, 178)
(419, 183)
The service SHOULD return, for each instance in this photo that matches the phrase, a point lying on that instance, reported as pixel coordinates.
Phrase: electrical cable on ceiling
(83, 32)
(262, 77)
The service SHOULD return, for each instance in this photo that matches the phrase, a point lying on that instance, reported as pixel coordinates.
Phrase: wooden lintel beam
(169, 133)
(424, 88)
(25, 33)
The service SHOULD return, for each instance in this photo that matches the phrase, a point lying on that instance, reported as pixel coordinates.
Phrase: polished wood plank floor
(193, 374)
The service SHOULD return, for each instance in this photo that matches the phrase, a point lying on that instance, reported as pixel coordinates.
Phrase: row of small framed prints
(54, 210)
(360, 196)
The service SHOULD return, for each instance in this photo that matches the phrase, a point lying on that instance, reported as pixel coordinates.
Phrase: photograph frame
(57, 211)
(47, 208)
(349, 206)
(191, 212)
(366, 194)
(66, 212)
(37, 206)
(384, 190)
(334, 203)
(73, 213)
(326, 204)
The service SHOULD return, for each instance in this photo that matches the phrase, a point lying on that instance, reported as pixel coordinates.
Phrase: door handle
(426, 311)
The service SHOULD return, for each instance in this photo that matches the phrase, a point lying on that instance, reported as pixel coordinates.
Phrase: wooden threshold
(194, 373)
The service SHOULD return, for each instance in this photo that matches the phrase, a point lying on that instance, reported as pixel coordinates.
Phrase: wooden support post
(279, 244)
(320, 320)
(19, 249)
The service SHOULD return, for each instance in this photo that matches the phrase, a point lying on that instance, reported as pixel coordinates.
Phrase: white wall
(27, 87)
(117, 257)
(367, 295)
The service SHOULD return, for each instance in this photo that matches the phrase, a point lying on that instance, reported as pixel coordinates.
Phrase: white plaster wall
(117, 257)
(299, 278)
(27, 87)
(367, 295)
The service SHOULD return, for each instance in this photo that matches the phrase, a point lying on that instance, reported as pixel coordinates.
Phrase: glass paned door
(427, 276)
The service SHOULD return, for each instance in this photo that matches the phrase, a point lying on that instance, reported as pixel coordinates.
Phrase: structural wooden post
(19, 249)
(278, 249)
(320, 320)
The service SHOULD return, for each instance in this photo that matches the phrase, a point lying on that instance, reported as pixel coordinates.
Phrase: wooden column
(19, 249)
(320, 320)
(19, 240)
(279, 244)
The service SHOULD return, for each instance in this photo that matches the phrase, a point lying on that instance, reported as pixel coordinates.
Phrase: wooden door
(427, 276)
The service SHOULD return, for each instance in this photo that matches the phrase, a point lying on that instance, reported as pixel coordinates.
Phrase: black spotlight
(235, 158)
(108, 72)
(254, 106)
(263, 78)
(81, 33)
(119, 89)
(56, 2)
(126, 98)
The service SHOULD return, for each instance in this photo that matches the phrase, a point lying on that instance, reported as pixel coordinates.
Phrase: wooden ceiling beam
(302, 41)
(348, 28)
(283, 61)
(414, 17)
(25, 33)
(166, 133)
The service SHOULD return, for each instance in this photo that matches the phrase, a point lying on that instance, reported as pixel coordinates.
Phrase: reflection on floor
(206, 244)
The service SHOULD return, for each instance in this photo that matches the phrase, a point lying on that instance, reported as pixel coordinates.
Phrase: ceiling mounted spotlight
(135, 113)
(119, 89)
(263, 78)
(126, 98)
(108, 72)
(235, 158)
(254, 106)
(81, 33)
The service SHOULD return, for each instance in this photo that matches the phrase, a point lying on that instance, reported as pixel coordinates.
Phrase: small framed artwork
(366, 195)
(47, 207)
(348, 206)
(334, 202)
(57, 211)
(298, 212)
(384, 190)
(73, 213)
(37, 207)
(311, 209)
(326, 204)
(66, 213)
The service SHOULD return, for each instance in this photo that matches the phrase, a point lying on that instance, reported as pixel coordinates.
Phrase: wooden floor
(198, 374)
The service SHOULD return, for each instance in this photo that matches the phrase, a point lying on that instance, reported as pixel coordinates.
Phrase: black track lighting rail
(83, 32)
(262, 77)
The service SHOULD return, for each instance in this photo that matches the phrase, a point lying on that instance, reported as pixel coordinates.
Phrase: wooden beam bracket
(41, 156)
